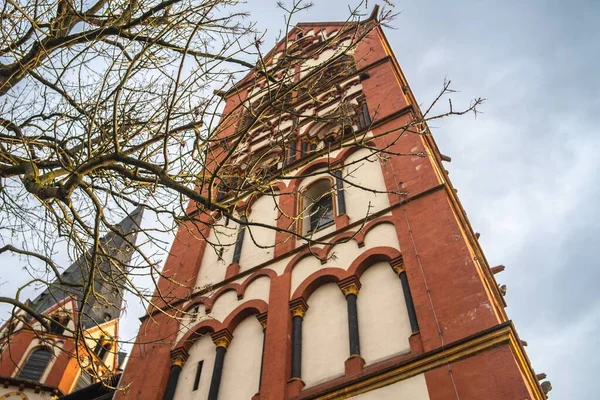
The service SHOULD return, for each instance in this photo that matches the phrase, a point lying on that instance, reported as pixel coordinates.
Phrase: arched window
(318, 208)
(36, 364)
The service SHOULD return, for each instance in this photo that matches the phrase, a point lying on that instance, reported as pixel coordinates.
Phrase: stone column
(221, 339)
(350, 287)
(178, 358)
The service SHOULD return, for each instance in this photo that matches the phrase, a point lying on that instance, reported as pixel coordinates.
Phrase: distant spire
(110, 275)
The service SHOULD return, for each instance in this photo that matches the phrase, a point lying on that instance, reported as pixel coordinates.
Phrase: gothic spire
(105, 301)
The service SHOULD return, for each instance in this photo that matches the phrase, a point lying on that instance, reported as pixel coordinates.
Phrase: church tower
(40, 363)
(392, 298)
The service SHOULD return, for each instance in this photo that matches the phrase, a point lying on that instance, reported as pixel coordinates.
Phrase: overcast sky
(526, 169)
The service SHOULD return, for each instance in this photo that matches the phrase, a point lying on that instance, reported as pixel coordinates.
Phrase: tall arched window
(36, 364)
(321, 212)
(318, 206)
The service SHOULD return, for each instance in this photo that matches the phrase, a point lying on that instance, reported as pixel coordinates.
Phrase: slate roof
(106, 304)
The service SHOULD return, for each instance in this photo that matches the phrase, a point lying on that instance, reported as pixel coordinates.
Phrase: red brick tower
(396, 300)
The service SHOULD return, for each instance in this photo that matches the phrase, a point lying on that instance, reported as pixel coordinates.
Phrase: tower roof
(104, 302)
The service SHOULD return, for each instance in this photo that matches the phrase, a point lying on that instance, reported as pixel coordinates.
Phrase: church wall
(384, 326)
(202, 350)
(414, 388)
(363, 170)
(324, 335)
(492, 375)
(264, 210)
(241, 370)
(212, 267)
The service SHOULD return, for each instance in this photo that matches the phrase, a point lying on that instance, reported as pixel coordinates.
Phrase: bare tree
(108, 105)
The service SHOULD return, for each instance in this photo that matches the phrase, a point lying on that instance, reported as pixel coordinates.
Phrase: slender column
(178, 358)
(298, 308)
(339, 187)
(262, 318)
(237, 252)
(221, 339)
(398, 266)
(350, 287)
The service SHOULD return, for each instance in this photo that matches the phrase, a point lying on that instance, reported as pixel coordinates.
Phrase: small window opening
(198, 374)
(58, 324)
(102, 349)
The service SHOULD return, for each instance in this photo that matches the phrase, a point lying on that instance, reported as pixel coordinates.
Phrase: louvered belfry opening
(36, 364)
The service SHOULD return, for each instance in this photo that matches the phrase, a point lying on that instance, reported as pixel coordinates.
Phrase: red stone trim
(353, 365)
(317, 279)
(197, 331)
(232, 270)
(260, 273)
(302, 251)
(307, 252)
(372, 256)
(251, 307)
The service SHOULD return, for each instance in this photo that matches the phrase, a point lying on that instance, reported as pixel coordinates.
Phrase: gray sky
(525, 168)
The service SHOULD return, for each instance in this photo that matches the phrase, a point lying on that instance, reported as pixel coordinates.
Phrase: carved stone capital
(397, 264)
(262, 318)
(298, 308)
(350, 285)
(222, 338)
(179, 356)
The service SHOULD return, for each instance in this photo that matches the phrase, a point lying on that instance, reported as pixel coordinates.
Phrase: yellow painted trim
(504, 336)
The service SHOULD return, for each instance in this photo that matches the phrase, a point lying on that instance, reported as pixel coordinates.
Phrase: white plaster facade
(382, 316)
(414, 388)
(324, 335)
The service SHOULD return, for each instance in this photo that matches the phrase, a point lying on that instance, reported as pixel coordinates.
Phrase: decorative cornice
(179, 356)
(350, 285)
(222, 338)
(298, 307)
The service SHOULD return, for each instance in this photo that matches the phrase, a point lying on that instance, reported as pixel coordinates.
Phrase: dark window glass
(198, 373)
(101, 350)
(35, 365)
(364, 119)
(292, 153)
(58, 324)
(321, 212)
(303, 149)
